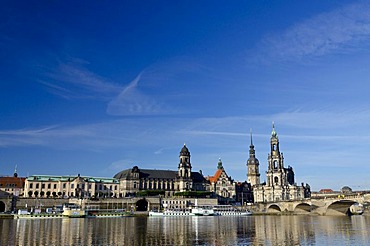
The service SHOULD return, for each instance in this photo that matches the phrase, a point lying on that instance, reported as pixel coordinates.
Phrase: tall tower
(184, 170)
(253, 166)
(15, 172)
(275, 172)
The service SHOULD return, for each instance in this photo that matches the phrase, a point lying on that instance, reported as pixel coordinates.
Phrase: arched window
(275, 165)
(276, 179)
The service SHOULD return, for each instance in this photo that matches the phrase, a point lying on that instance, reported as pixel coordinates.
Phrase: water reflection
(253, 230)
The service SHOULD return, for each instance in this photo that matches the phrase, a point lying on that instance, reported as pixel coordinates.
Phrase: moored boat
(172, 212)
(228, 210)
(73, 211)
(203, 210)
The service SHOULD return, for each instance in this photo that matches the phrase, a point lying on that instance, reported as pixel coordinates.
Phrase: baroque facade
(70, 186)
(223, 186)
(280, 185)
(135, 179)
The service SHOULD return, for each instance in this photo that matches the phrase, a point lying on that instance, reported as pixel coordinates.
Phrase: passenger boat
(73, 211)
(171, 212)
(228, 210)
(202, 210)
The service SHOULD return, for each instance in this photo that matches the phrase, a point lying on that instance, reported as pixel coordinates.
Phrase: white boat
(73, 211)
(228, 210)
(172, 212)
(203, 210)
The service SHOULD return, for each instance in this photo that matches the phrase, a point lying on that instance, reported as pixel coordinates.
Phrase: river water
(251, 230)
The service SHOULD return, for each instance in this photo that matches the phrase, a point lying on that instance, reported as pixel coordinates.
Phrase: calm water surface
(252, 230)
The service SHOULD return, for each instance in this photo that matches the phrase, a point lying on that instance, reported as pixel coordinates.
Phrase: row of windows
(78, 186)
(175, 202)
(151, 185)
(9, 185)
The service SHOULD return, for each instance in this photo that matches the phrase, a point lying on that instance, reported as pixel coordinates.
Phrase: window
(72, 186)
(42, 186)
(55, 186)
(64, 186)
(37, 185)
(31, 185)
(49, 186)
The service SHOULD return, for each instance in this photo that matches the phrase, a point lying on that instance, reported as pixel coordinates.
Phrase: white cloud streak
(71, 80)
(131, 101)
(340, 30)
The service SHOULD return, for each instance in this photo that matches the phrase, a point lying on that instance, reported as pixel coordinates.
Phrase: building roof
(11, 182)
(3, 194)
(157, 174)
(214, 178)
(148, 173)
(48, 178)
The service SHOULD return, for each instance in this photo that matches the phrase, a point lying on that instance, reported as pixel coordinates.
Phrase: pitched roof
(48, 178)
(14, 182)
(158, 174)
(213, 179)
(148, 173)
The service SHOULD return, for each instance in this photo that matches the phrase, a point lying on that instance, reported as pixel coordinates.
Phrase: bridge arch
(302, 208)
(340, 207)
(142, 205)
(273, 208)
(2, 206)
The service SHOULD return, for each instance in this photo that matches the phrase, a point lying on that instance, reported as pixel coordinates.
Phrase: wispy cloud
(131, 101)
(337, 31)
(72, 80)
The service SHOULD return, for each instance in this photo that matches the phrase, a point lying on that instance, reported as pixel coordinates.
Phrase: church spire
(251, 147)
(251, 137)
(15, 171)
(273, 133)
(219, 164)
(253, 165)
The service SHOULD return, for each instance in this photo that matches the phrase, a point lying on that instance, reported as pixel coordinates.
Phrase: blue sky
(95, 87)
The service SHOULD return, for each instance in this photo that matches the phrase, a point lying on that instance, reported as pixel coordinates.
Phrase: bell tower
(184, 170)
(275, 172)
(253, 166)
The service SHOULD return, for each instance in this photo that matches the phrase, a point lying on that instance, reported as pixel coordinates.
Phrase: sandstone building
(135, 179)
(280, 185)
(70, 186)
(222, 186)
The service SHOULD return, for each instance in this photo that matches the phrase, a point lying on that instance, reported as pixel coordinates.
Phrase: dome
(184, 150)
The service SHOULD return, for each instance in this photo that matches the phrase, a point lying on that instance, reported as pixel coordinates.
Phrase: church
(280, 185)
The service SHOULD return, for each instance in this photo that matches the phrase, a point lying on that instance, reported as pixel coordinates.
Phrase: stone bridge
(339, 205)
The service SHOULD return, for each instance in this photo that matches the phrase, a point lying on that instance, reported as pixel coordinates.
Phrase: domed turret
(184, 169)
(184, 151)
